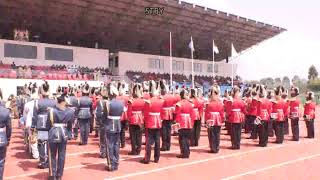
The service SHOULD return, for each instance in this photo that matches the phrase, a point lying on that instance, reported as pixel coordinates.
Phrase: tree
(263, 81)
(313, 73)
(277, 81)
(314, 84)
(286, 82)
(269, 82)
(295, 79)
(302, 85)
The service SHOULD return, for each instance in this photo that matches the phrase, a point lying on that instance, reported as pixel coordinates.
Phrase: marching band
(154, 110)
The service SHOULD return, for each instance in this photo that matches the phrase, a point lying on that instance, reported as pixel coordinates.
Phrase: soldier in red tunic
(253, 113)
(196, 117)
(251, 101)
(152, 115)
(284, 96)
(264, 108)
(175, 126)
(184, 112)
(214, 117)
(277, 115)
(136, 120)
(309, 114)
(247, 100)
(270, 96)
(237, 110)
(226, 99)
(166, 116)
(294, 104)
(124, 118)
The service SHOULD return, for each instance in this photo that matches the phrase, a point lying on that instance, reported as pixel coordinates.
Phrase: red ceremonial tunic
(286, 109)
(184, 111)
(236, 110)
(278, 110)
(264, 109)
(152, 110)
(252, 104)
(309, 110)
(214, 113)
(94, 101)
(135, 111)
(294, 108)
(197, 109)
(168, 107)
(124, 99)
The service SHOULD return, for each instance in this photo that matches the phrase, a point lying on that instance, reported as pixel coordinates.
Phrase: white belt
(264, 110)
(279, 110)
(154, 114)
(274, 115)
(84, 108)
(2, 129)
(136, 112)
(236, 110)
(183, 114)
(114, 117)
(59, 125)
(168, 108)
(215, 113)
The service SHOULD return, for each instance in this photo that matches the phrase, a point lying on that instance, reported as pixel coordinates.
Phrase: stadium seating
(54, 72)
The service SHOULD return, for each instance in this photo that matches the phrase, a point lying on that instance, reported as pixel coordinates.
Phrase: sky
(288, 54)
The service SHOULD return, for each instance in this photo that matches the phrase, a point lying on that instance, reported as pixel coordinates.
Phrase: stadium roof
(124, 25)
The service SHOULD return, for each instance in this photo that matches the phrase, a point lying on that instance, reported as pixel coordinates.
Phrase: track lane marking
(205, 160)
(285, 163)
(100, 162)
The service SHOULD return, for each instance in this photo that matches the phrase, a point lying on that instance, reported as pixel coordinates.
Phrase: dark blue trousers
(3, 151)
(57, 154)
(152, 137)
(43, 152)
(113, 148)
(166, 134)
(84, 130)
(102, 136)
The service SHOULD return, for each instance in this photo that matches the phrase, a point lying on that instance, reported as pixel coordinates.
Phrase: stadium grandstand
(87, 33)
(83, 45)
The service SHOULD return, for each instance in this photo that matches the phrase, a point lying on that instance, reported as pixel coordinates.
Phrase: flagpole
(192, 68)
(171, 61)
(231, 74)
(213, 58)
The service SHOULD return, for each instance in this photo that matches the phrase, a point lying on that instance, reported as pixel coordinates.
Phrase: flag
(233, 51)
(191, 45)
(215, 48)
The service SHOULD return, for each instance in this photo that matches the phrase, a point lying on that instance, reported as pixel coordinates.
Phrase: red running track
(291, 160)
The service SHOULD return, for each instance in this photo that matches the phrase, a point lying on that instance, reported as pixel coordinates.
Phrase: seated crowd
(61, 72)
(140, 77)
